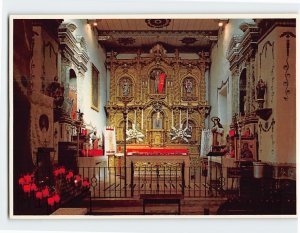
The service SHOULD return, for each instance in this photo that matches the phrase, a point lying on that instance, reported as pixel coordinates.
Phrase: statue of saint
(156, 77)
(157, 121)
(188, 86)
(261, 89)
(217, 131)
(126, 87)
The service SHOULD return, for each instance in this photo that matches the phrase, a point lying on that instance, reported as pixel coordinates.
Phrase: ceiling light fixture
(220, 24)
(95, 23)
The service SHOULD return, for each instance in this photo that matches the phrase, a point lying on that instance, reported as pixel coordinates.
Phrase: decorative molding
(286, 67)
(126, 41)
(211, 35)
(188, 40)
(74, 49)
(157, 23)
(243, 47)
(267, 127)
(268, 25)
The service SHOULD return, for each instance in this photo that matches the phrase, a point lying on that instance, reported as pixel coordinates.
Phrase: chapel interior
(153, 116)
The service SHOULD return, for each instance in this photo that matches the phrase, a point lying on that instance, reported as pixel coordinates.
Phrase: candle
(172, 119)
(179, 117)
(142, 118)
(127, 121)
(187, 117)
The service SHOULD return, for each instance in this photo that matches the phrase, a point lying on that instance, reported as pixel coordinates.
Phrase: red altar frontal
(150, 157)
(157, 151)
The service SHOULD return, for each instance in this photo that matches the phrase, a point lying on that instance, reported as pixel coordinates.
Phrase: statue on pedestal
(217, 131)
(261, 89)
(260, 93)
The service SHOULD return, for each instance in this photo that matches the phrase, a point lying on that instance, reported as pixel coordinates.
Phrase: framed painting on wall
(245, 149)
(95, 88)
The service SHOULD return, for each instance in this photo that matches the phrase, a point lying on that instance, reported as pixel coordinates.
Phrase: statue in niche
(158, 78)
(261, 89)
(188, 86)
(44, 123)
(126, 87)
(157, 121)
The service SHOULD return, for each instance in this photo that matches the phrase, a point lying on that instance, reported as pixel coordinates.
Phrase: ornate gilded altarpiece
(167, 91)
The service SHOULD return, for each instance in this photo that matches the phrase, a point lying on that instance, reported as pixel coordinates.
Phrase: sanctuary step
(134, 206)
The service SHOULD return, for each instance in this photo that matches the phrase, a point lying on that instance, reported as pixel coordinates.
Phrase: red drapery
(162, 77)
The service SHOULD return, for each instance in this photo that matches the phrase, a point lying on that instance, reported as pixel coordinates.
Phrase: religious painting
(95, 88)
(245, 149)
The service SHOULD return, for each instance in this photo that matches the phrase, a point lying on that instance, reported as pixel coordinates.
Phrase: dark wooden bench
(161, 199)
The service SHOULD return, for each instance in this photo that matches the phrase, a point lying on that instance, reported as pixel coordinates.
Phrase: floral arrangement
(50, 194)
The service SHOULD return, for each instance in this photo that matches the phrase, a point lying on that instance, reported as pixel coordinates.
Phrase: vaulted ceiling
(129, 35)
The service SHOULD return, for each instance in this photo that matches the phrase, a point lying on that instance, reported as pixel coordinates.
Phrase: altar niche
(157, 81)
(157, 120)
(125, 87)
(189, 89)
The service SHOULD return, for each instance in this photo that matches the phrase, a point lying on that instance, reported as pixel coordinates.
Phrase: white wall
(219, 70)
(97, 58)
(279, 145)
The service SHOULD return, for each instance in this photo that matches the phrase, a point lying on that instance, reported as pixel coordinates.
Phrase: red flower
(21, 181)
(39, 195)
(70, 175)
(33, 187)
(85, 183)
(56, 198)
(27, 178)
(62, 170)
(50, 201)
(45, 192)
(56, 172)
(78, 178)
(26, 188)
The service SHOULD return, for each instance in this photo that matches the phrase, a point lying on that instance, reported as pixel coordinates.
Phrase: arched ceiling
(129, 35)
